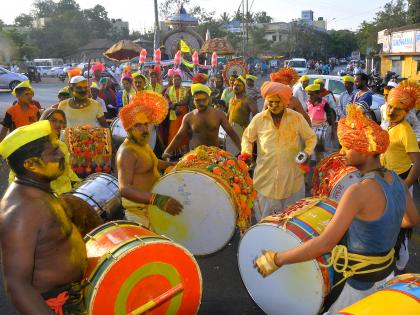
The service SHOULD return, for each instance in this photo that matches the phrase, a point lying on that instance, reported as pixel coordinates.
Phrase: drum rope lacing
(341, 252)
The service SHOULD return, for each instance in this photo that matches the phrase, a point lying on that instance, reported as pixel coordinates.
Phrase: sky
(339, 14)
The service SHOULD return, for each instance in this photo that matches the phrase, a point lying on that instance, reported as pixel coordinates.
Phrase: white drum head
(118, 130)
(208, 220)
(293, 289)
(338, 190)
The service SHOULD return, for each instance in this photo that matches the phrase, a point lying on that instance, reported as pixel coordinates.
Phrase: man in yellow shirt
(278, 132)
(403, 154)
(154, 85)
(81, 110)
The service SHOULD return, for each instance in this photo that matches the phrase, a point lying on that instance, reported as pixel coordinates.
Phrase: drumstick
(158, 300)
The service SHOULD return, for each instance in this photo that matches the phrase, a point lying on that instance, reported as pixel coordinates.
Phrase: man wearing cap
(23, 112)
(140, 81)
(138, 167)
(240, 108)
(202, 123)
(63, 94)
(299, 91)
(80, 109)
(251, 90)
(279, 133)
(369, 214)
(43, 254)
(347, 96)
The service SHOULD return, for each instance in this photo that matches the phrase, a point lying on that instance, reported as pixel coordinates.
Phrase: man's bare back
(39, 242)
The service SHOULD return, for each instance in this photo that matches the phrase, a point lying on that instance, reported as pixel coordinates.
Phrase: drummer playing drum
(370, 213)
(203, 123)
(138, 167)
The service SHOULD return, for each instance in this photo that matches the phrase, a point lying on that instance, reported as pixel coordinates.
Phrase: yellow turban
(64, 90)
(94, 86)
(318, 81)
(24, 135)
(138, 74)
(360, 133)
(313, 88)
(241, 79)
(24, 84)
(304, 78)
(251, 77)
(198, 87)
(348, 78)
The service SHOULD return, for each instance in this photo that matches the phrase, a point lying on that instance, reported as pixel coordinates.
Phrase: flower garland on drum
(221, 164)
(90, 149)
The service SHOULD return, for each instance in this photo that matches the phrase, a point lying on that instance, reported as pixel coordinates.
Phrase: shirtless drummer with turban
(371, 212)
(138, 167)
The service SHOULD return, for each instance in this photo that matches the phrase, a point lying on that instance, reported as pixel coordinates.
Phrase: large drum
(216, 192)
(400, 295)
(298, 289)
(95, 201)
(332, 177)
(133, 270)
(119, 134)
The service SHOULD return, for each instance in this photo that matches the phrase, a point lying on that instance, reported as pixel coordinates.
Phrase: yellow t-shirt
(77, 117)
(402, 141)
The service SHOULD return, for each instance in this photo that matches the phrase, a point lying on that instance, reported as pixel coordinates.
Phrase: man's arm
(249, 137)
(3, 133)
(308, 136)
(19, 237)
(163, 165)
(229, 130)
(411, 216)
(102, 122)
(252, 106)
(297, 106)
(176, 141)
(414, 173)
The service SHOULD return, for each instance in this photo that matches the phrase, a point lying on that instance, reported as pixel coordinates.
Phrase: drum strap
(351, 264)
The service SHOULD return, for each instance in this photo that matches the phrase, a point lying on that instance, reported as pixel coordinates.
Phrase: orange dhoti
(174, 126)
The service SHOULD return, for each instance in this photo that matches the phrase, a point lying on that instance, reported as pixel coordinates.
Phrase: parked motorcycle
(33, 74)
(375, 83)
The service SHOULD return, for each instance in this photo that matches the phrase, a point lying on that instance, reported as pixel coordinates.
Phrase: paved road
(223, 291)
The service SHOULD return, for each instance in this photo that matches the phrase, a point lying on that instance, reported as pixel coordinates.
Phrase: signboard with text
(403, 41)
(418, 42)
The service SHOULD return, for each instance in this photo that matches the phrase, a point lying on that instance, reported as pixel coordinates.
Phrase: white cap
(392, 84)
(77, 79)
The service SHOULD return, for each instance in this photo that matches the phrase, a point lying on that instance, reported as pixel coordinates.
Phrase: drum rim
(93, 292)
(232, 203)
(312, 261)
(92, 234)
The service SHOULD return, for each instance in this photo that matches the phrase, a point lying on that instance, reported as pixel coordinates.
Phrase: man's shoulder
(64, 104)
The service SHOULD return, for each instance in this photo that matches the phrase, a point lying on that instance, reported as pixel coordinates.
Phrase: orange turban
(405, 96)
(274, 88)
(145, 107)
(360, 133)
(74, 72)
(288, 76)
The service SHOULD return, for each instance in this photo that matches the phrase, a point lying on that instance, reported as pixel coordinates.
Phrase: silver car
(9, 80)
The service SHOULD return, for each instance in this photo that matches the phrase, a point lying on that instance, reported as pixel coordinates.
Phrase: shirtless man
(43, 253)
(370, 213)
(202, 123)
(138, 167)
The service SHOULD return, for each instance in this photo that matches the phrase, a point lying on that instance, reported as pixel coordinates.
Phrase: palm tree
(224, 17)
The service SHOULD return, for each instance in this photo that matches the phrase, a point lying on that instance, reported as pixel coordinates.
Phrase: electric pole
(157, 30)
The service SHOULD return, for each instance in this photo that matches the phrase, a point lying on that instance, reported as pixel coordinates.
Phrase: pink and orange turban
(288, 76)
(405, 96)
(173, 72)
(274, 88)
(145, 107)
(357, 132)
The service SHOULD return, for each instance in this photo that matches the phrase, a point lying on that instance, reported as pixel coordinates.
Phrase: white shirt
(344, 99)
(300, 93)
(102, 103)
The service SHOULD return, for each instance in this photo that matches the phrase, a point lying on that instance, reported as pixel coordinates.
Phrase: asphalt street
(223, 290)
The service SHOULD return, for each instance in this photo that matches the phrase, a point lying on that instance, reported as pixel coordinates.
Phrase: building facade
(401, 51)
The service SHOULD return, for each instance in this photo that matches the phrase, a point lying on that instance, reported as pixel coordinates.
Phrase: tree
(169, 7)
(24, 20)
(43, 8)
(224, 17)
(341, 43)
(262, 17)
(413, 11)
(1, 24)
(99, 23)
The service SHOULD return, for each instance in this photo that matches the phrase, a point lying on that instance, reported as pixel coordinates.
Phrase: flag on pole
(184, 46)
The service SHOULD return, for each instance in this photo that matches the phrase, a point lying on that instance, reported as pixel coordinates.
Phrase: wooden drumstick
(158, 300)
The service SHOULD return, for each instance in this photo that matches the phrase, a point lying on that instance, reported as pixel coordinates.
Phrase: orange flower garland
(228, 171)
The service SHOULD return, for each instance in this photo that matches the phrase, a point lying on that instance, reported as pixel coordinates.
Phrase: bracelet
(160, 201)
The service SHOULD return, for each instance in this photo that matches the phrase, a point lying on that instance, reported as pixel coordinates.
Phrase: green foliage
(24, 20)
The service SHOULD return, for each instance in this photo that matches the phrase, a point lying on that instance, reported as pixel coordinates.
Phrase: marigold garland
(230, 172)
(287, 76)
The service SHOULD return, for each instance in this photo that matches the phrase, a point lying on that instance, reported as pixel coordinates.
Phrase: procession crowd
(282, 129)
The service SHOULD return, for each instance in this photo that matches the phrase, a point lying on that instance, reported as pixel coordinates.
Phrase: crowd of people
(44, 257)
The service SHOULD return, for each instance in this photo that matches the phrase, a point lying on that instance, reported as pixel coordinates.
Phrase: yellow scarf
(126, 98)
(182, 94)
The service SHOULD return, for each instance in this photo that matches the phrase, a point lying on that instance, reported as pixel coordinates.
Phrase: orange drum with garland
(133, 270)
(332, 177)
(216, 192)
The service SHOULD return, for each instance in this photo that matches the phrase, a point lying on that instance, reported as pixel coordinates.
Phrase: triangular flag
(184, 46)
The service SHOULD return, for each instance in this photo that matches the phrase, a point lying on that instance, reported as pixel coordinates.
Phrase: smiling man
(43, 254)
(81, 110)
(279, 133)
(202, 123)
(138, 166)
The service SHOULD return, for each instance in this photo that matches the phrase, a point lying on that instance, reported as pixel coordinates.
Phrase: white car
(335, 84)
(9, 79)
(46, 71)
(299, 64)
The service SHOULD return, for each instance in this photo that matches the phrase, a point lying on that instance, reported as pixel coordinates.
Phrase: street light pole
(156, 43)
